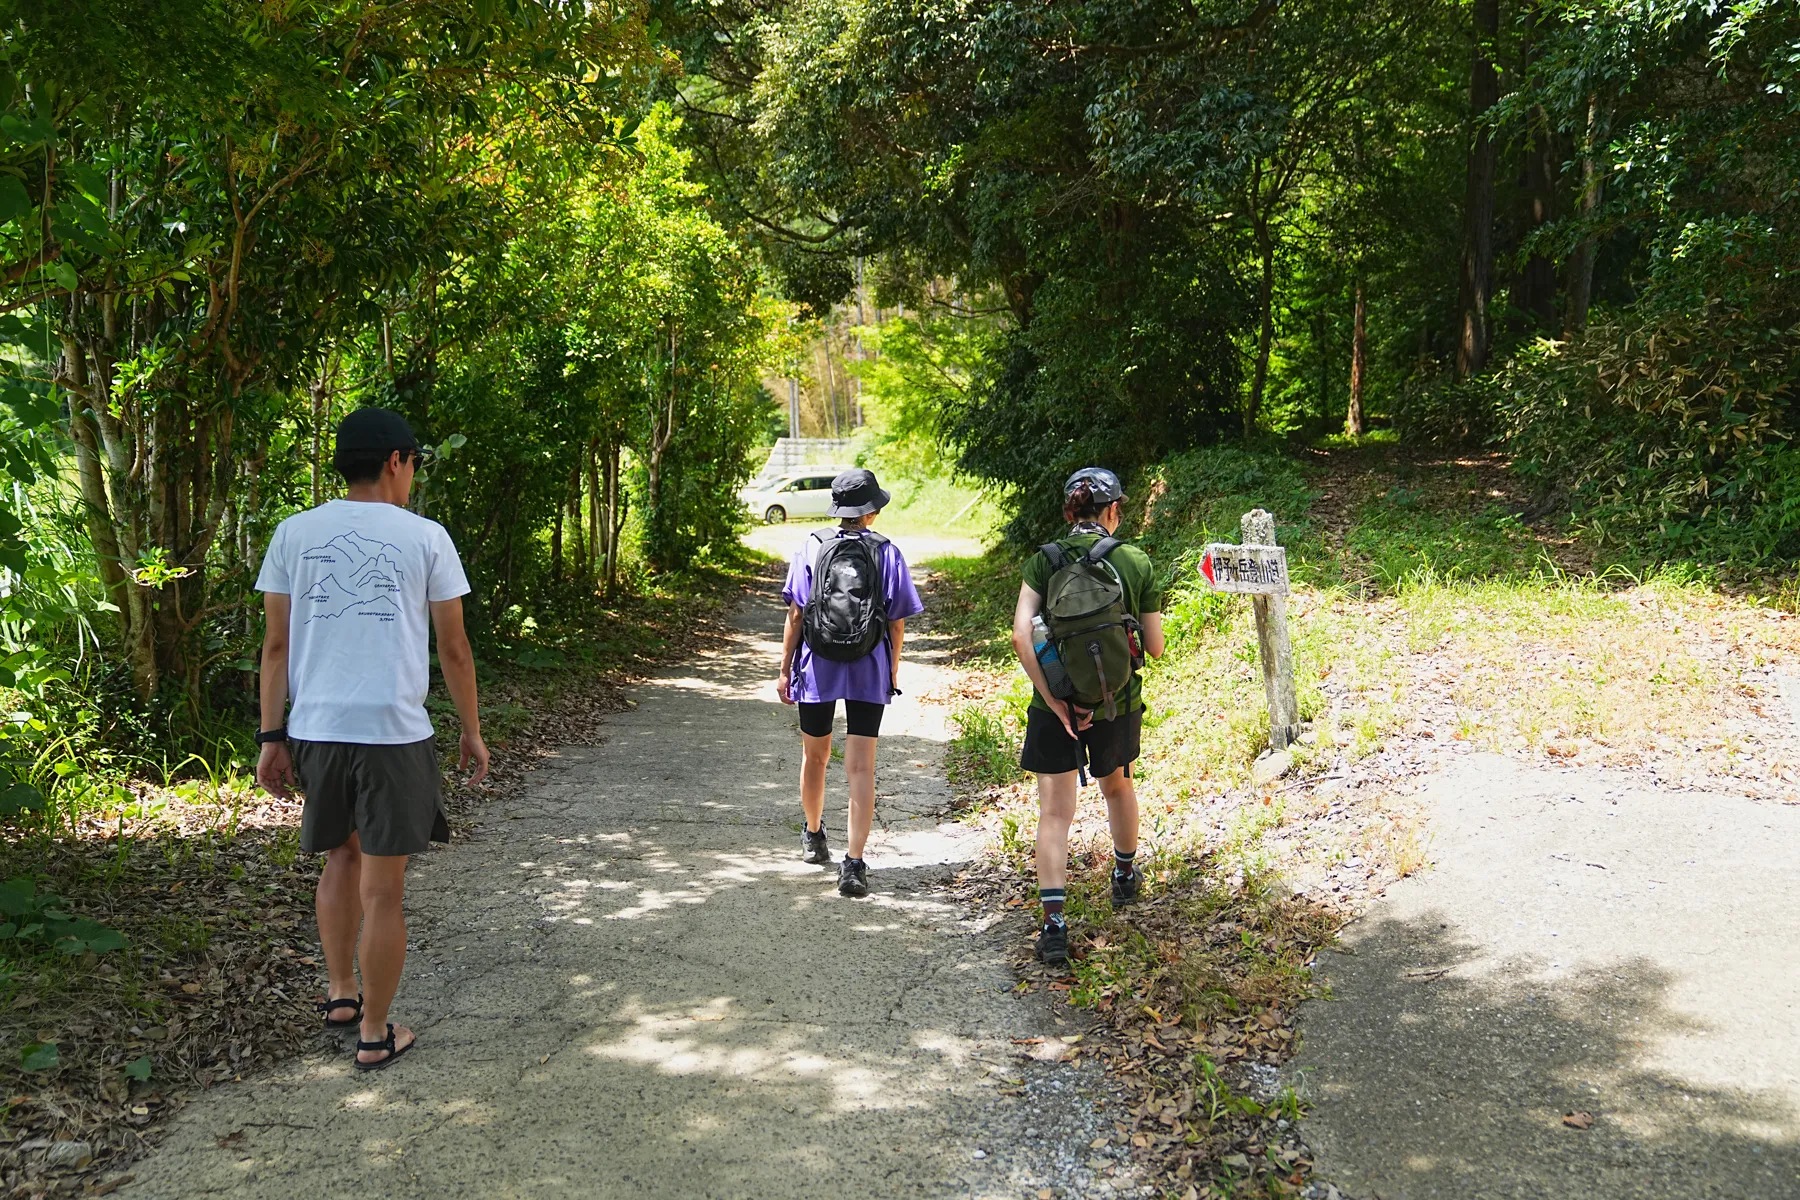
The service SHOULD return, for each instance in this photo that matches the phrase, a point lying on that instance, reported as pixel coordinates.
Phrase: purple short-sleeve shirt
(866, 679)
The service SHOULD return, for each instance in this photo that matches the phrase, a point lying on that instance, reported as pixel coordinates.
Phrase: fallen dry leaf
(1578, 1120)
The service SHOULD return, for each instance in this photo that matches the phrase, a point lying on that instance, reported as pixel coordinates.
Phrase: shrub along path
(627, 984)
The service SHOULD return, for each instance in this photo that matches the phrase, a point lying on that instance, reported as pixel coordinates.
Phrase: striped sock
(1122, 860)
(1052, 900)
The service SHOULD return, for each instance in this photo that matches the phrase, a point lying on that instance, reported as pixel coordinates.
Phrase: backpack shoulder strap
(1058, 557)
(1102, 548)
(820, 538)
(875, 538)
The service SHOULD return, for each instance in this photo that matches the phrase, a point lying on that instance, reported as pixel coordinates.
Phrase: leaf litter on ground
(221, 970)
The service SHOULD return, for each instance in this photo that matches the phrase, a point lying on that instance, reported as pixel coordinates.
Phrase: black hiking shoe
(1125, 887)
(1053, 944)
(853, 877)
(813, 847)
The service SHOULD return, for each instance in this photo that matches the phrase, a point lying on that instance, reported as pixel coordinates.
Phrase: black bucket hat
(855, 493)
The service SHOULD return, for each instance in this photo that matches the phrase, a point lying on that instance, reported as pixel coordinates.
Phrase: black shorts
(1109, 745)
(861, 718)
(388, 795)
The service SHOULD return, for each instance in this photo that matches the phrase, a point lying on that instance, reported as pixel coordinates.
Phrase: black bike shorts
(1105, 745)
(861, 718)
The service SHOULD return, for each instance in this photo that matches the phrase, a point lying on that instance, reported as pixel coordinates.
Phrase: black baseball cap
(375, 430)
(1104, 485)
(855, 493)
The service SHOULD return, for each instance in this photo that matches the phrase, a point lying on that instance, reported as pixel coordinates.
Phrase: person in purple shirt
(866, 686)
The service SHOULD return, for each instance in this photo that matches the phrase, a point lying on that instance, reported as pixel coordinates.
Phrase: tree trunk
(556, 540)
(1535, 291)
(1477, 282)
(319, 388)
(248, 552)
(94, 504)
(1359, 354)
(1265, 340)
(1593, 191)
(600, 539)
(1537, 282)
(581, 553)
(664, 417)
(600, 515)
(615, 514)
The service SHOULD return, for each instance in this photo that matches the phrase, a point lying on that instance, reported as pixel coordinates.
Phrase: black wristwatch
(266, 736)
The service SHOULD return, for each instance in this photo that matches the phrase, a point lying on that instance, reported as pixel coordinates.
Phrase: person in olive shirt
(1058, 734)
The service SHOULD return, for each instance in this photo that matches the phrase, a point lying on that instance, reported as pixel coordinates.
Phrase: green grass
(984, 752)
(1401, 539)
(937, 506)
(1383, 438)
(1415, 560)
(973, 604)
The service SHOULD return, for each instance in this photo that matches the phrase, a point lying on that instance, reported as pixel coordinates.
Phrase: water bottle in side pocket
(1055, 675)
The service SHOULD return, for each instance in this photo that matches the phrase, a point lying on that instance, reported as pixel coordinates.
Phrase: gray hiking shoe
(813, 847)
(1125, 887)
(1053, 944)
(853, 878)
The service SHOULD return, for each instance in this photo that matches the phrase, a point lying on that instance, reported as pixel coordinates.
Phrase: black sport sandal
(386, 1043)
(329, 1006)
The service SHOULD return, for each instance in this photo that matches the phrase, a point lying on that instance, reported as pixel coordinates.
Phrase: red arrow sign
(1206, 567)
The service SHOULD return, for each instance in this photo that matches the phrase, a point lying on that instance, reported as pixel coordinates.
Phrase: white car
(803, 493)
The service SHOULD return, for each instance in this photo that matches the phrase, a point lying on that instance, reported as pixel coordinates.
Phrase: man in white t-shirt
(348, 588)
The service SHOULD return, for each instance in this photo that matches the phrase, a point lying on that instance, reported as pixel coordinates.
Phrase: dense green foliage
(1166, 223)
(224, 224)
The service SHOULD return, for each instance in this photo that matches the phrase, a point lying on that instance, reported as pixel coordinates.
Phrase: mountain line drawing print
(363, 579)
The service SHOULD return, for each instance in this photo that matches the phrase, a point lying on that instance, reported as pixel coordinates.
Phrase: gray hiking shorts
(389, 795)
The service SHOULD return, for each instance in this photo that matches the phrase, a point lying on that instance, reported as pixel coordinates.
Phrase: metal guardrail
(793, 454)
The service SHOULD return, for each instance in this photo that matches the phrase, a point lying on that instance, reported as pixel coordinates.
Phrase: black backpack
(846, 615)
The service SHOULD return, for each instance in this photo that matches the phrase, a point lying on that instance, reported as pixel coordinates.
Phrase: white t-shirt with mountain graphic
(362, 576)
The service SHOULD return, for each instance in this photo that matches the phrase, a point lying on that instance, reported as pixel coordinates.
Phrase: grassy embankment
(200, 874)
(929, 515)
(1425, 612)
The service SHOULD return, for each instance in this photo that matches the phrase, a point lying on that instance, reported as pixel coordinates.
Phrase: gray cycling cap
(1103, 483)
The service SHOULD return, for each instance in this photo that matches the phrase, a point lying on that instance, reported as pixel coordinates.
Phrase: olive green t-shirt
(1143, 594)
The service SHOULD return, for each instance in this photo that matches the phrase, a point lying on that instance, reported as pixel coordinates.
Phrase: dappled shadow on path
(629, 985)
(725, 1025)
(1439, 1072)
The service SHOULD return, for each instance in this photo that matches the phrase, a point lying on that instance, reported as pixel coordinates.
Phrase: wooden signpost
(1258, 568)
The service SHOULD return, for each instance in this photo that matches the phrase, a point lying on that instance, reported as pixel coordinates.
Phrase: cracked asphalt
(629, 985)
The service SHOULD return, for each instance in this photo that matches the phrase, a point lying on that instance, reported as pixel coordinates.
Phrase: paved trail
(1583, 944)
(628, 985)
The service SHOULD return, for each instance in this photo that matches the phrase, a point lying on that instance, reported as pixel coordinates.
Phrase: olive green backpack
(1095, 637)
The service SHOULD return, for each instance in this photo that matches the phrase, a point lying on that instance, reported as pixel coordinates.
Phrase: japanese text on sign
(1259, 570)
